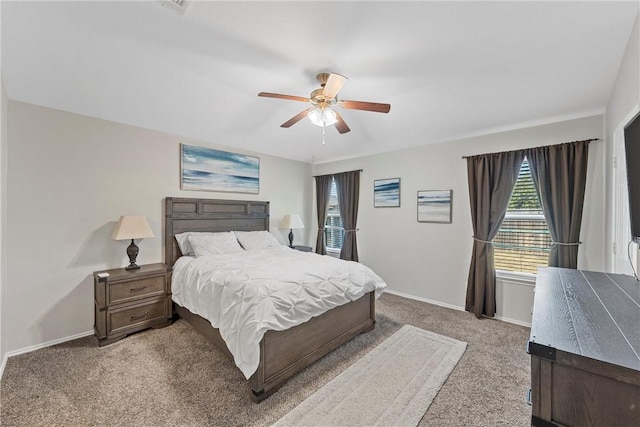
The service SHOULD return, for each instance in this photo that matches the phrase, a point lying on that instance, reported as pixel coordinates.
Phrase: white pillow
(214, 243)
(183, 243)
(251, 240)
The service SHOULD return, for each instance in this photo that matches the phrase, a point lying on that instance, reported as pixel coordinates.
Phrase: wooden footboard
(285, 353)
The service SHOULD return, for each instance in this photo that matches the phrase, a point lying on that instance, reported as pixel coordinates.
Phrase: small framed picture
(435, 206)
(386, 193)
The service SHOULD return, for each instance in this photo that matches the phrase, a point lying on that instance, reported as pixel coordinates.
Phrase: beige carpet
(393, 385)
(175, 377)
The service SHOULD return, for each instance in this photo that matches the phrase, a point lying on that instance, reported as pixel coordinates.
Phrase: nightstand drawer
(128, 301)
(136, 316)
(133, 289)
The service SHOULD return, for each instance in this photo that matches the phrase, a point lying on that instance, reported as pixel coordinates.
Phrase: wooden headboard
(210, 215)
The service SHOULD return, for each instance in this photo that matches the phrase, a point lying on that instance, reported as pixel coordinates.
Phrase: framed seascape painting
(386, 193)
(206, 169)
(434, 206)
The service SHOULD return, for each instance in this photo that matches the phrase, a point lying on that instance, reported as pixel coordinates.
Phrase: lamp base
(291, 238)
(132, 253)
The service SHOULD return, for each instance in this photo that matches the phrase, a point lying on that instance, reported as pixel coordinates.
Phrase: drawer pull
(139, 316)
(139, 288)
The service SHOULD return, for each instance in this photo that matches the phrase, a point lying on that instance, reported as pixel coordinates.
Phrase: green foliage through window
(524, 197)
(523, 242)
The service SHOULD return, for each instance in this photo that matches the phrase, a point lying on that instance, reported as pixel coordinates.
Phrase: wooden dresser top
(592, 314)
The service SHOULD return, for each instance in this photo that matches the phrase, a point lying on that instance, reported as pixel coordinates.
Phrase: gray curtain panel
(323, 193)
(560, 174)
(348, 188)
(491, 180)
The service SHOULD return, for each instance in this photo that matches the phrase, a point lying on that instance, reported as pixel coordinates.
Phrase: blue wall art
(207, 169)
(386, 193)
(434, 206)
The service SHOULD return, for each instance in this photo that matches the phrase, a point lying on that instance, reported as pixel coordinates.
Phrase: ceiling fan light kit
(322, 117)
(324, 102)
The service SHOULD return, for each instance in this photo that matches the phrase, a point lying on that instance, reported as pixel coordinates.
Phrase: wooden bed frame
(282, 353)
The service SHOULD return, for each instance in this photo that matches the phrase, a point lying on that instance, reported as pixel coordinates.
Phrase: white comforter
(245, 294)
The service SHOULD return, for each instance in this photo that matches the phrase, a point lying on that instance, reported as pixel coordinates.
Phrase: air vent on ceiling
(178, 6)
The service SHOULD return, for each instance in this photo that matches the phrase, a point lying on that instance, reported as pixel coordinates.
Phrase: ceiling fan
(323, 102)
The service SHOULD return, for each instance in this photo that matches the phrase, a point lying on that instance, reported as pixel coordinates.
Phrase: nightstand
(128, 301)
(302, 248)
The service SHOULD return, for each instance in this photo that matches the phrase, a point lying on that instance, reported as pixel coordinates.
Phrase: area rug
(393, 385)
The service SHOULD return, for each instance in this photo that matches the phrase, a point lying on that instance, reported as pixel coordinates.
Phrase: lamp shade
(291, 221)
(132, 227)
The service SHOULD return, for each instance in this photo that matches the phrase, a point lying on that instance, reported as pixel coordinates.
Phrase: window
(334, 232)
(523, 242)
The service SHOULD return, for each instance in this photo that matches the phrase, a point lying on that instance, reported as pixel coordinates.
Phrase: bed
(281, 353)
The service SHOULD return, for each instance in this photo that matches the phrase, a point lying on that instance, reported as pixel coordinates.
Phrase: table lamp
(291, 222)
(132, 227)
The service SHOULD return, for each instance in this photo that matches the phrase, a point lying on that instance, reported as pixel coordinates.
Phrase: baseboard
(4, 363)
(513, 321)
(430, 301)
(29, 349)
(454, 307)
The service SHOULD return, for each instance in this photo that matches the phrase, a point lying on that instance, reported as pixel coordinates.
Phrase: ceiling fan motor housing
(317, 98)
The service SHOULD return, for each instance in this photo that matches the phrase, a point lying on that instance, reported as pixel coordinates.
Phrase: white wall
(431, 261)
(625, 98)
(3, 221)
(70, 178)
(3, 183)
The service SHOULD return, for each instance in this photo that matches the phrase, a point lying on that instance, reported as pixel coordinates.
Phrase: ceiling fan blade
(340, 124)
(366, 106)
(281, 96)
(295, 119)
(333, 85)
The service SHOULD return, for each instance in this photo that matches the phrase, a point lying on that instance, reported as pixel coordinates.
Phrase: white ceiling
(448, 69)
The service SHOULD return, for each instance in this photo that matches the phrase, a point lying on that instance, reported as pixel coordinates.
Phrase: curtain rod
(355, 170)
(511, 151)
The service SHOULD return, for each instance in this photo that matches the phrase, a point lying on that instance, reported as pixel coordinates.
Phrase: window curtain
(560, 174)
(323, 193)
(348, 188)
(491, 180)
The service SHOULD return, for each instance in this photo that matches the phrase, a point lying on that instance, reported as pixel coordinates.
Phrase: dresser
(128, 301)
(585, 347)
